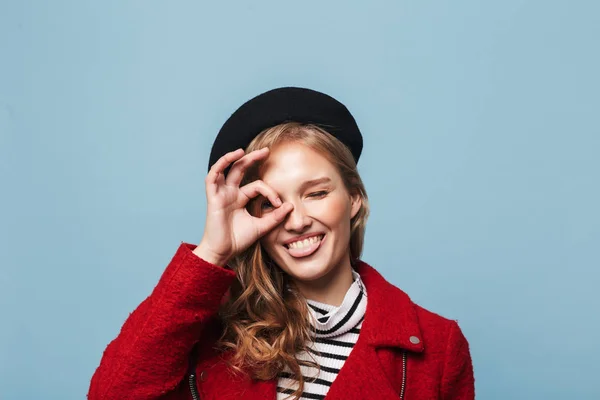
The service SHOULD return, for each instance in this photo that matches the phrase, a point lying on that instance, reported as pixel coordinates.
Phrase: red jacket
(402, 348)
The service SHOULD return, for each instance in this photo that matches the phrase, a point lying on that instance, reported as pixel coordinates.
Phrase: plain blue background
(481, 159)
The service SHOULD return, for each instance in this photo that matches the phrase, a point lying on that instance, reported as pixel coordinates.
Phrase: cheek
(268, 241)
(334, 211)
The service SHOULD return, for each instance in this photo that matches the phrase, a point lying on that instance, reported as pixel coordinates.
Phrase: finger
(274, 218)
(239, 168)
(258, 187)
(221, 164)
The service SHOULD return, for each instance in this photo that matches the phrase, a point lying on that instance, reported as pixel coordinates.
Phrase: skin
(322, 207)
(229, 228)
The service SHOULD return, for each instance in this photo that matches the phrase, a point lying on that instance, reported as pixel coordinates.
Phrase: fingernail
(278, 202)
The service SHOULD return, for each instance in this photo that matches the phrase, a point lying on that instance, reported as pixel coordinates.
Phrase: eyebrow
(314, 182)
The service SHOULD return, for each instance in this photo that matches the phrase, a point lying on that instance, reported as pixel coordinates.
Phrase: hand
(230, 228)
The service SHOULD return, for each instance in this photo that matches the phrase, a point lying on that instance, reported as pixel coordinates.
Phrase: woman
(274, 302)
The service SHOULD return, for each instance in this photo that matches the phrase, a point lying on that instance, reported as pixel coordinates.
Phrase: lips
(306, 250)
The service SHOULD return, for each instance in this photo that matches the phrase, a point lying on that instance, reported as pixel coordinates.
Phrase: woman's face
(312, 243)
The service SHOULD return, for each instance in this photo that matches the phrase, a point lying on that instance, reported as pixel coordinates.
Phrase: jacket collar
(391, 319)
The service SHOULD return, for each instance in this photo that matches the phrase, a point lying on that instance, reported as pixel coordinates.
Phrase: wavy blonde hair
(266, 319)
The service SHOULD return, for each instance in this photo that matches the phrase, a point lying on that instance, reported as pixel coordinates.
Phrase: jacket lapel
(391, 318)
(362, 377)
(389, 328)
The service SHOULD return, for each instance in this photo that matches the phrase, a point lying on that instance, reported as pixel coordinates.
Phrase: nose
(297, 220)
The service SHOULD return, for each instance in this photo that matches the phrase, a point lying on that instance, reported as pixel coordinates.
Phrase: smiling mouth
(306, 247)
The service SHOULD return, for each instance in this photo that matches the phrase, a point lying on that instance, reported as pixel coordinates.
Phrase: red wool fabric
(149, 358)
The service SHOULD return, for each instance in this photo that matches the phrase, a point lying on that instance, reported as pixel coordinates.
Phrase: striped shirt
(336, 332)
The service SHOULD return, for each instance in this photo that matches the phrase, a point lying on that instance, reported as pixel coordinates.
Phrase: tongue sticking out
(306, 250)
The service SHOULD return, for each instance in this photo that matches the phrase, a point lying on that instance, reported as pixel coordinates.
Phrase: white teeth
(306, 242)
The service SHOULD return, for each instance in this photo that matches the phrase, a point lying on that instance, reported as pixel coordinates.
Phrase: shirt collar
(330, 321)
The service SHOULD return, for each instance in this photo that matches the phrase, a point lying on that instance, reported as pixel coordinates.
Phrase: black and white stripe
(336, 331)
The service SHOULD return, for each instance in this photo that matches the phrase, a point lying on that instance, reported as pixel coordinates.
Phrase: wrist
(210, 256)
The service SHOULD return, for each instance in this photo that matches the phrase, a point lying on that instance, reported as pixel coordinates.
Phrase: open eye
(266, 205)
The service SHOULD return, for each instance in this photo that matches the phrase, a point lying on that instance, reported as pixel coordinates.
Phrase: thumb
(274, 218)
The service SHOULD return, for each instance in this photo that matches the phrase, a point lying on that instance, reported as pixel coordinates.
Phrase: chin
(307, 273)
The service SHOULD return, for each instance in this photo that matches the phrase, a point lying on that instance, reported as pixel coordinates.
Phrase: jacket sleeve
(458, 382)
(149, 357)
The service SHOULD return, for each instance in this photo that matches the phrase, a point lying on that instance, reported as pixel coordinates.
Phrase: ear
(356, 201)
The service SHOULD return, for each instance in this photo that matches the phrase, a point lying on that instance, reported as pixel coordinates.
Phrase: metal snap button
(414, 340)
(202, 375)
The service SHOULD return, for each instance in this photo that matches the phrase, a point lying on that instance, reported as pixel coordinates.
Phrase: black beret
(286, 104)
